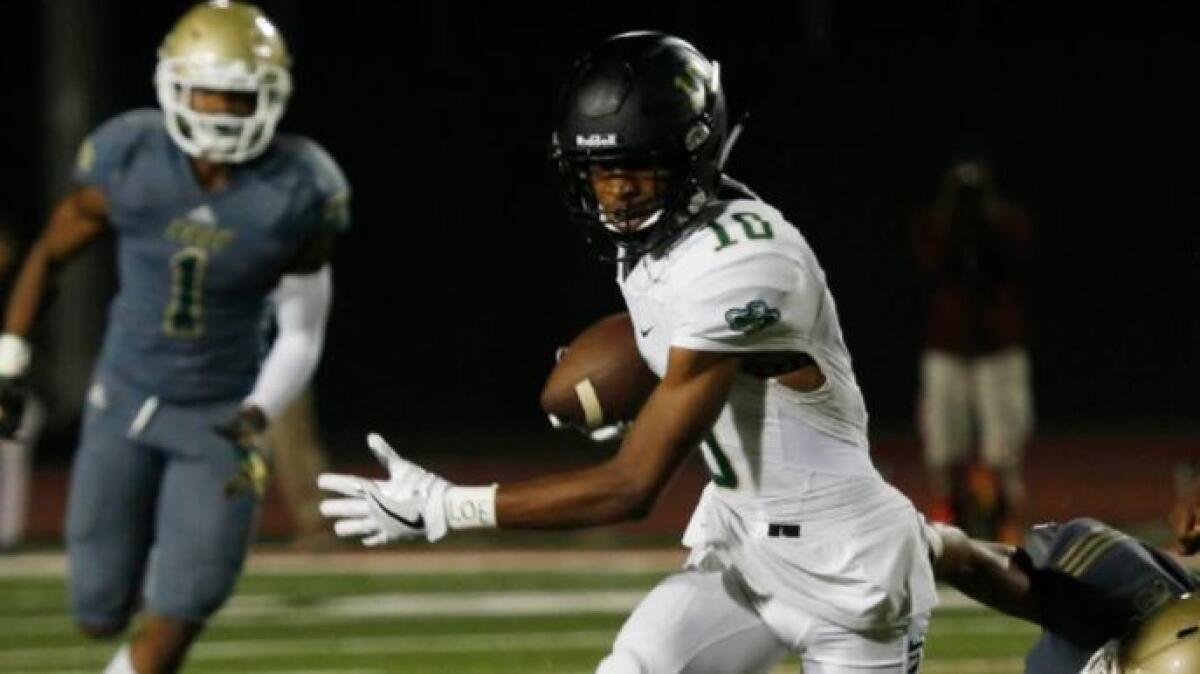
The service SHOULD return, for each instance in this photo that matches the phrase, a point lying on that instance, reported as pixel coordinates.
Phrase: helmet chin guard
(647, 221)
(221, 137)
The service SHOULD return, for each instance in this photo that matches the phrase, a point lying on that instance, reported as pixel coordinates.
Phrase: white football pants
(703, 622)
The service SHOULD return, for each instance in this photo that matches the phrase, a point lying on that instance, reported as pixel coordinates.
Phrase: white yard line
(334, 669)
(410, 561)
(445, 604)
(423, 561)
(302, 645)
(958, 666)
(257, 608)
(974, 666)
(500, 603)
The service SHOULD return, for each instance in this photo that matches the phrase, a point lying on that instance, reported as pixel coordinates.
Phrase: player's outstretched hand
(12, 406)
(410, 503)
(247, 431)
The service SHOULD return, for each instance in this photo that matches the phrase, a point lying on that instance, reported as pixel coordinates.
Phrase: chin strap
(727, 148)
(647, 222)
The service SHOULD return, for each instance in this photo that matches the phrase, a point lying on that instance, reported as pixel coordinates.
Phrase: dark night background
(461, 274)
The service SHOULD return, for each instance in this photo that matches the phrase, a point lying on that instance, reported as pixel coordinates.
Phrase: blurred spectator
(972, 248)
(15, 453)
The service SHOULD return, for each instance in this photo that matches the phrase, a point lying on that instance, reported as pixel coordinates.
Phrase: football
(600, 377)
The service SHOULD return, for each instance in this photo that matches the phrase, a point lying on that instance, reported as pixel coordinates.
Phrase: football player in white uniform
(797, 544)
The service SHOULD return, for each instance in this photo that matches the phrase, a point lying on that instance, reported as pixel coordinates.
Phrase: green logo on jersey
(753, 317)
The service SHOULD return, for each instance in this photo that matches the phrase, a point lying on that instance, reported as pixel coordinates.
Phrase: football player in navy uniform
(212, 212)
(1108, 603)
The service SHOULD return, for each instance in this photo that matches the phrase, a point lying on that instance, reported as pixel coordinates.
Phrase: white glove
(410, 503)
(600, 434)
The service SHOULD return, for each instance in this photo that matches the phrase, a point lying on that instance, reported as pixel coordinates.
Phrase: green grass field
(465, 612)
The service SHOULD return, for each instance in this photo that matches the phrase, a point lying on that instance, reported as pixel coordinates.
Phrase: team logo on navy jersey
(753, 317)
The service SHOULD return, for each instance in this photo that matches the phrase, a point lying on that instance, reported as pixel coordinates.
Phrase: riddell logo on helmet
(597, 140)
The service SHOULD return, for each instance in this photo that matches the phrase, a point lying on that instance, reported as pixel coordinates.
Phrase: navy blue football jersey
(195, 267)
(1123, 579)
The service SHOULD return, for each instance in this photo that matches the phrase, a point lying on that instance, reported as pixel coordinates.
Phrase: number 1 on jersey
(185, 310)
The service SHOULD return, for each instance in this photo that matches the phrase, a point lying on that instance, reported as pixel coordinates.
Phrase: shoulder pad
(322, 175)
(110, 144)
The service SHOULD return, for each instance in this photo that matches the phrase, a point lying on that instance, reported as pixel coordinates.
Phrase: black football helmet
(641, 100)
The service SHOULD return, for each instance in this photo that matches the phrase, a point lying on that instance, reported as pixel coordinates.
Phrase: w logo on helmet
(691, 81)
(753, 317)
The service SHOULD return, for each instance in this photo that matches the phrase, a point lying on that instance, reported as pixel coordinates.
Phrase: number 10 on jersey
(718, 463)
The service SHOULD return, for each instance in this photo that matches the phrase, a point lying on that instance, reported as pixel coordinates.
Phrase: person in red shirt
(972, 248)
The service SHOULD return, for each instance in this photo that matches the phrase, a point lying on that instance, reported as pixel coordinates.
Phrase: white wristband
(933, 538)
(471, 507)
(14, 355)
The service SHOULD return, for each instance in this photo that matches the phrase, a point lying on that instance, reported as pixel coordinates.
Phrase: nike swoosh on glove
(410, 503)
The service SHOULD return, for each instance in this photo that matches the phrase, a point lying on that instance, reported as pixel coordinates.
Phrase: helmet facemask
(639, 226)
(220, 136)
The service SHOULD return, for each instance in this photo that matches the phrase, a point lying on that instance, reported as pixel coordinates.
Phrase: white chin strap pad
(644, 224)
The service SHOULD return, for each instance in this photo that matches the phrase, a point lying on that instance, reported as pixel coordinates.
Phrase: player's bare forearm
(985, 572)
(670, 425)
(77, 220)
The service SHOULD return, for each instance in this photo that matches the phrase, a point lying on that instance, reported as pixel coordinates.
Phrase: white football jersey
(783, 461)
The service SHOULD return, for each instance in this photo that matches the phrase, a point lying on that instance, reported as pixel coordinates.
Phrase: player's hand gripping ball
(600, 380)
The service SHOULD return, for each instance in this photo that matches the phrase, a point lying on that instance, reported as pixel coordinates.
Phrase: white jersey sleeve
(745, 286)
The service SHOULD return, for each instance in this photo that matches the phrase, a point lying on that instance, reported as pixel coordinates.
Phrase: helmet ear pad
(699, 132)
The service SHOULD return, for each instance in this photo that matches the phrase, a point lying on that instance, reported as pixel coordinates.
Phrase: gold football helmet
(1167, 642)
(223, 46)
